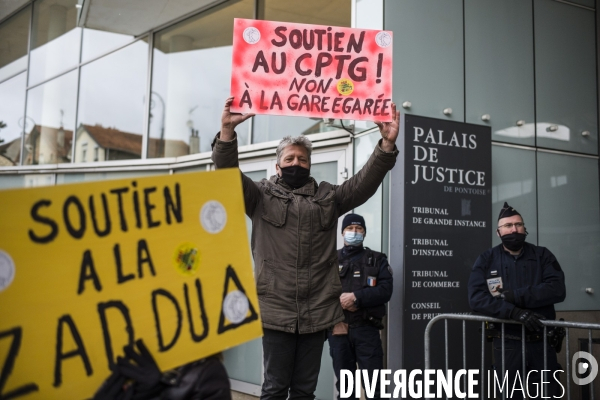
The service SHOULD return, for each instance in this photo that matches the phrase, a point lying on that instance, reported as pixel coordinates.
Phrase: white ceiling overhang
(130, 17)
(135, 17)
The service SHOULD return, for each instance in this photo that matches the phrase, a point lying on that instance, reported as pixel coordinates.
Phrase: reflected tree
(2, 125)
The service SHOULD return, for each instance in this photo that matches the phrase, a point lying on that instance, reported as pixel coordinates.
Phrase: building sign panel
(447, 167)
(282, 68)
(88, 268)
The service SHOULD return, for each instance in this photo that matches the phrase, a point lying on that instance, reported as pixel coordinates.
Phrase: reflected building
(10, 153)
(97, 143)
(47, 145)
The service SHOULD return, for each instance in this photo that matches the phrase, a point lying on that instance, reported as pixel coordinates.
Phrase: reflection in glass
(110, 120)
(334, 13)
(513, 181)
(275, 127)
(569, 222)
(12, 105)
(499, 81)
(428, 84)
(13, 46)
(360, 126)
(26, 180)
(102, 176)
(55, 39)
(243, 362)
(96, 43)
(193, 168)
(326, 171)
(566, 106)
(12, 181)
(191, 80)
(372, 209)
(326, 379)
(49, 121)
(34, 180)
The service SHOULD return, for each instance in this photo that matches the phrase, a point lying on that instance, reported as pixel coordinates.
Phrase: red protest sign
(311, 70)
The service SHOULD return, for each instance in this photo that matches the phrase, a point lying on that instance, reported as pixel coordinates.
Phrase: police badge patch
(493, 285)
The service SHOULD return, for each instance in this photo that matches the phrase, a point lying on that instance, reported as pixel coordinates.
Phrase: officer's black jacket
(356, 266)
(535, 278)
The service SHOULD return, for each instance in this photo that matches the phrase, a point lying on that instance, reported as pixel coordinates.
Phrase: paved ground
(242, 396)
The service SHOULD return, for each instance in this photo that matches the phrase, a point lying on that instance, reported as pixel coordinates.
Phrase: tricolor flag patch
(371, 281)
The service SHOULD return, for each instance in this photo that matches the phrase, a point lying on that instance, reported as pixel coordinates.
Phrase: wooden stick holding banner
(311, 70)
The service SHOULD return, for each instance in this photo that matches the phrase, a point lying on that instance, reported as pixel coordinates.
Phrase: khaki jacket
(294, 240)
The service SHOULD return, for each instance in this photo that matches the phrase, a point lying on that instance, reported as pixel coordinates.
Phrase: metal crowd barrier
(547, 323)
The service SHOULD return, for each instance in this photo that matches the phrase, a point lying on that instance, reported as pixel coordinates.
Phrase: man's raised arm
(358, 189)
(389, 131)
(225, 152)
(230, 120)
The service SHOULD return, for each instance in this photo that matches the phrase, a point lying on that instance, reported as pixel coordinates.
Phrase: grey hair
(294, 141)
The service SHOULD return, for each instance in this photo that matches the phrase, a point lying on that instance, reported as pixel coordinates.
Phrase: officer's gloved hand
(528, 318)
(507, 295)
(145, 372)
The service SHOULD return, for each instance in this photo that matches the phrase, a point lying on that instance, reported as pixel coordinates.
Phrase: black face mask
(295, 176)
(513, 241)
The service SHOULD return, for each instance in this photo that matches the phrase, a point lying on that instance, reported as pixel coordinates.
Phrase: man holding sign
(313, 71)
(294, 222)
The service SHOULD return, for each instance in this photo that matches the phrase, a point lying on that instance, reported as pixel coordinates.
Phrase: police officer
(366, 280)
(519, 281)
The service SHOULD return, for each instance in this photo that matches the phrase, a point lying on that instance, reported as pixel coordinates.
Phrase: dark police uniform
(367, 274)
(537, 282)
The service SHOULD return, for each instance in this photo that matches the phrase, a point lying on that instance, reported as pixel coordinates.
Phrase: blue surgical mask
(353, 238)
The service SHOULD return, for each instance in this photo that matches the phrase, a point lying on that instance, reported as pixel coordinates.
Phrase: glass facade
(507, 71)
(101, 176)
(527, 69)
(514, 181)
(55, 39)
(191, 78)
(429, 79)
(82, 95)
(566, 105)
(110, 118)
(569, 221)
(12, 123)
(372, 210)
(50, 120)
(13, 46)
(96, 43)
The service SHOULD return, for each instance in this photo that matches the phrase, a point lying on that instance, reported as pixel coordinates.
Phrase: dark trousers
(292, 363)
(361, 345)
(534, 361)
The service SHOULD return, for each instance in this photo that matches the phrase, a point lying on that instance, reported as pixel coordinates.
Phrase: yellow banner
(87, 268)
